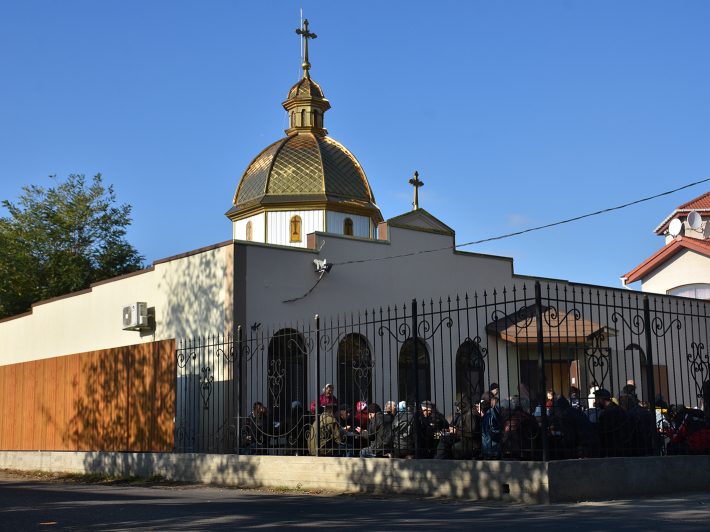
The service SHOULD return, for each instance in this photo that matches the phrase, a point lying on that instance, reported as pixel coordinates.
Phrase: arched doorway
(470, 369)
(354, 370)
(406, 371)
(286, 372)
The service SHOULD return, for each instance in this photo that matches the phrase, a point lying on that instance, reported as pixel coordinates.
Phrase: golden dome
(302, 168)
(306, 88)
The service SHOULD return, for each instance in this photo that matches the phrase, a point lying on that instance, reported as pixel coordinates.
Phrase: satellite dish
(674, 228)
(694, 220)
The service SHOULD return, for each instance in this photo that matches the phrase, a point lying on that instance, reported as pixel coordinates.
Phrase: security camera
(322, 266)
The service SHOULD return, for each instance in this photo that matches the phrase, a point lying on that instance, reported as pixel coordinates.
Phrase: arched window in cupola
(295, 229)
(315, 118)
(303, 118)
(348, 227)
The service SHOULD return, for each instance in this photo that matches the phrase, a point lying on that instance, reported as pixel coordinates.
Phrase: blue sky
(514, 113)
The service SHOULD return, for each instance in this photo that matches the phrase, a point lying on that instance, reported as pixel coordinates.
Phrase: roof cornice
(661, 256)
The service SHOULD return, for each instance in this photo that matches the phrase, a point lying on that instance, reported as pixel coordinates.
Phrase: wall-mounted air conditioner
(135, 317)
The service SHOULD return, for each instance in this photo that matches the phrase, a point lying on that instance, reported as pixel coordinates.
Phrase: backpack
(403, 431)
(697, 429)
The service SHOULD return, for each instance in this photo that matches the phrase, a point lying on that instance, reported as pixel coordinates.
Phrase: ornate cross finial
(416, 184)
(306, 35)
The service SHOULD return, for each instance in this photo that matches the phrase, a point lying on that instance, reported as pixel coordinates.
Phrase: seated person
(690, 433)
(464, 439)
(333, 437)
(436, 423)
(520, 435)
(378, 433)
(404, 429)
(642, 426)
(256, 430)
(572, 435)
(613, 426)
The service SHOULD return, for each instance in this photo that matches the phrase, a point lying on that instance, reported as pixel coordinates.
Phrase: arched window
(293, 118)
(315, 118)
(354, 370)
(406, 371)
(695, 291)
(295, 229)
(469, 370)
(641, 379)
(303, 118)
(348, 227)
(249, 231)
(286, 372)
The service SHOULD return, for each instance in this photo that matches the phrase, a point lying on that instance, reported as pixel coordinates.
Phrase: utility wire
(523, 231)
(499, 237)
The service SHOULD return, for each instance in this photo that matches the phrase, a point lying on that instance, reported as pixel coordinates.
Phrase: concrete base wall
(530, 482)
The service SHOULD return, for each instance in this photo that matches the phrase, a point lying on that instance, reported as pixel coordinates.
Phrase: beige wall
(188, 296)
(686, 267)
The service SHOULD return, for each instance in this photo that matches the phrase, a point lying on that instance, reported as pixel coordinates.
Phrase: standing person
(391, 408)
(326, 398)
(529, 399)
(333, 437)
(642, 426)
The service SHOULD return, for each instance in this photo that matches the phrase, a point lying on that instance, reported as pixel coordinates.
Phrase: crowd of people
(599, 425)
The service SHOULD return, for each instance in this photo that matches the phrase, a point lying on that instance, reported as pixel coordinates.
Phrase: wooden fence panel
(120, 399)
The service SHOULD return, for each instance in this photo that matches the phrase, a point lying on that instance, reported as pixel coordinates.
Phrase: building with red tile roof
(682, 266)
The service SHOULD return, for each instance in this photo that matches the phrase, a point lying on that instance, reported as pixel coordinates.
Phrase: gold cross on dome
(306, 35)
(416, 184)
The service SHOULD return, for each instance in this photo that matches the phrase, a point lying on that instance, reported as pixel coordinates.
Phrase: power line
(521, 232)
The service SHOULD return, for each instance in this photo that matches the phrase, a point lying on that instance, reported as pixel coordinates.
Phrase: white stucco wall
(188, 295)
(279, 223)
(336, 220)
(686, 267)
(258, 222)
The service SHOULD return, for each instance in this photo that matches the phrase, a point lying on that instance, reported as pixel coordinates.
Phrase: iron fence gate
(556, 372)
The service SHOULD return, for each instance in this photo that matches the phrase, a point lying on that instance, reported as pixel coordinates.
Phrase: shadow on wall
(118, 399)
(194, 295)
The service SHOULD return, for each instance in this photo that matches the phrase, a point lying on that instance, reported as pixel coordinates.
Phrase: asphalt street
(27, 505)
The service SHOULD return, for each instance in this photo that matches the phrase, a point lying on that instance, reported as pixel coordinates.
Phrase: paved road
(26, 505)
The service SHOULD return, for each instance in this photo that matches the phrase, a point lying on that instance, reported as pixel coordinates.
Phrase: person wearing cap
(491, 393)
(361, 415)
(436, 423)
(378, 433)
(333, 437)
(326, 398)
(613, 425)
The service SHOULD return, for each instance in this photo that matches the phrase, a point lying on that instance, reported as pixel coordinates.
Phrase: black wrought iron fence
(550, 373)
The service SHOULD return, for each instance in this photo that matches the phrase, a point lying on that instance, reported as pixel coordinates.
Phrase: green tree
(60, 240)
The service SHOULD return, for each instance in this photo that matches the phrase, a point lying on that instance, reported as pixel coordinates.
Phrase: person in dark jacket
(404, 430)
(575, 399)
(436, 423)
(378, 433)
(572, 435)
(642, 426)
(490, 429)
(255, 433)
(520, 435)
(613, 426)
(464, 439)
(529, 399)
(491, 393)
